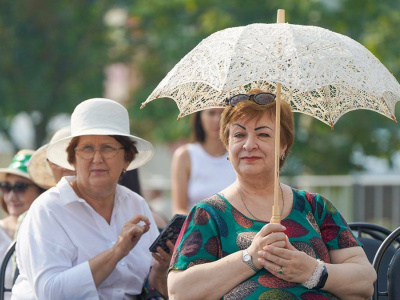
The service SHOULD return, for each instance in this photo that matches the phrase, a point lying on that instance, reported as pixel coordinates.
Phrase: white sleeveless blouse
(208, 174)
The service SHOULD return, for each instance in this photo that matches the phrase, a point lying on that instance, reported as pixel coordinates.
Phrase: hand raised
(162, 259)
(132, 232)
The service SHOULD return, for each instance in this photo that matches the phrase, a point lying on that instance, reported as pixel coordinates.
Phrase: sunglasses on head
(18, 187)
(260, 99)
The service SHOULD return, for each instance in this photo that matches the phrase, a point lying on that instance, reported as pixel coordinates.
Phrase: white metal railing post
(395, 206)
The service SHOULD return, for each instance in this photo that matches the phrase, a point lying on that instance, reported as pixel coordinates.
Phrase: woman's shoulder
(54, 198)
(215, 202)
(47, 196)
(182, 152)
(314, 201)
(191, 149)
(181, 158)
(305, 195)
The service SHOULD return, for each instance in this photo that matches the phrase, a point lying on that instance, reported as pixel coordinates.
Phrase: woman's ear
(283, 151)
(126, 164)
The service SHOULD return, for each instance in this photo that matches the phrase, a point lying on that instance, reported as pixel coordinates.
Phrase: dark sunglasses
(260, 99)
(18, 187)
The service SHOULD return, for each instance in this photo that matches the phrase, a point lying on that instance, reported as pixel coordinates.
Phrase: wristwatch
(322, 279)
(248, 260)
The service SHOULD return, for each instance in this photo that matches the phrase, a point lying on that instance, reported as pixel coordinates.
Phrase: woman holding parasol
(312, 253)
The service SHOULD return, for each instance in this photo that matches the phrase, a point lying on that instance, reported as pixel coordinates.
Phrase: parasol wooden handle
(276, 209)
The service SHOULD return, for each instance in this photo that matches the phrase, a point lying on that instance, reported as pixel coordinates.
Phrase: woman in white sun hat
(17, 192)
(88, 237)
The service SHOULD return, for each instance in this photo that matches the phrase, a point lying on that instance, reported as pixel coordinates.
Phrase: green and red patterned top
(214, 229)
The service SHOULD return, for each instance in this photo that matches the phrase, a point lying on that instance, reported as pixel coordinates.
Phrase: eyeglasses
(18, 188)
(260, 99)
(106, 151)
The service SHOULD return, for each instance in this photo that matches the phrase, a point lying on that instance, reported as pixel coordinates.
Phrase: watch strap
(322, 279)
(249, 262)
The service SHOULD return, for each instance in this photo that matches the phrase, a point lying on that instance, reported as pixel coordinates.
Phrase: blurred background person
(18, 192)
(155, 189)
(130, 179)
(42, 171)
(200, 168)
(45, 174)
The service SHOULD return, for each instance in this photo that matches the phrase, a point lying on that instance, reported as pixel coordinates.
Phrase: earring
(123, 171)
(283, 156)
(227, 158)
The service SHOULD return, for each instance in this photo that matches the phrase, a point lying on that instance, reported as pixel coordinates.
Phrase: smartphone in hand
(170, 232)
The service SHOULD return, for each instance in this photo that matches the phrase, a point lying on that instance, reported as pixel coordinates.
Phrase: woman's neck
(255, 188)
(257, 199)
(213, 146)
(101, 201)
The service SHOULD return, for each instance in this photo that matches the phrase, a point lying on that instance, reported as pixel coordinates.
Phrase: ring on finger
(280, 271)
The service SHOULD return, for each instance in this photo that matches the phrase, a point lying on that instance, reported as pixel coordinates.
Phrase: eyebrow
(241, 126)
(257, 128)
(262, 127)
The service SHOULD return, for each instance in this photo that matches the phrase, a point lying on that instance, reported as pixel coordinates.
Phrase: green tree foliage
(171, 29)
(52, 56)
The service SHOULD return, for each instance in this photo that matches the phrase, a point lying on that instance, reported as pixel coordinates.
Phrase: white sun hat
(99, 116)
(38, 167)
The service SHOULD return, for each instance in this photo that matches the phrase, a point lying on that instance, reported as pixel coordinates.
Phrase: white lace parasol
(323, 74)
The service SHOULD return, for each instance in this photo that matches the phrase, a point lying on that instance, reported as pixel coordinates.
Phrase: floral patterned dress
(214, 229)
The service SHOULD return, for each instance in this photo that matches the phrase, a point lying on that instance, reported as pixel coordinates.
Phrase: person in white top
(43, 172)
(200, 169)
(18, 191)
(88, 237)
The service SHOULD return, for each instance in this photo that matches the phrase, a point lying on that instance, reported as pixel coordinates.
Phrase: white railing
(362, 198)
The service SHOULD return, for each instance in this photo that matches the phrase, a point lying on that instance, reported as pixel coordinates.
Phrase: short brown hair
(198, 133)
(252, 110)
(129, 148)
(3, 204)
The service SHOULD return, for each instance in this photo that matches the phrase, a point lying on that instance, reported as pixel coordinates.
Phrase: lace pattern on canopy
(323, 74)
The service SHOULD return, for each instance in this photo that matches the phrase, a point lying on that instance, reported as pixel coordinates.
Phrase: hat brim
(39, 169)
(56, 152)
(5, 171)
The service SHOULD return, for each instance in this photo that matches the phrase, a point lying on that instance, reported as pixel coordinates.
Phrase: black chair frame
(375, 231)
(388, 242)
(6, 259)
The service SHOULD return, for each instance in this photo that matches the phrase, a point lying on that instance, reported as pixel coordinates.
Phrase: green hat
(18, 166)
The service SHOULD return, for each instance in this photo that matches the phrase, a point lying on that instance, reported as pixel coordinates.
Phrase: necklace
(241, 197)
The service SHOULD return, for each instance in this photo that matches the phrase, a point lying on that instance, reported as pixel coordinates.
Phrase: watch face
(246, 257)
